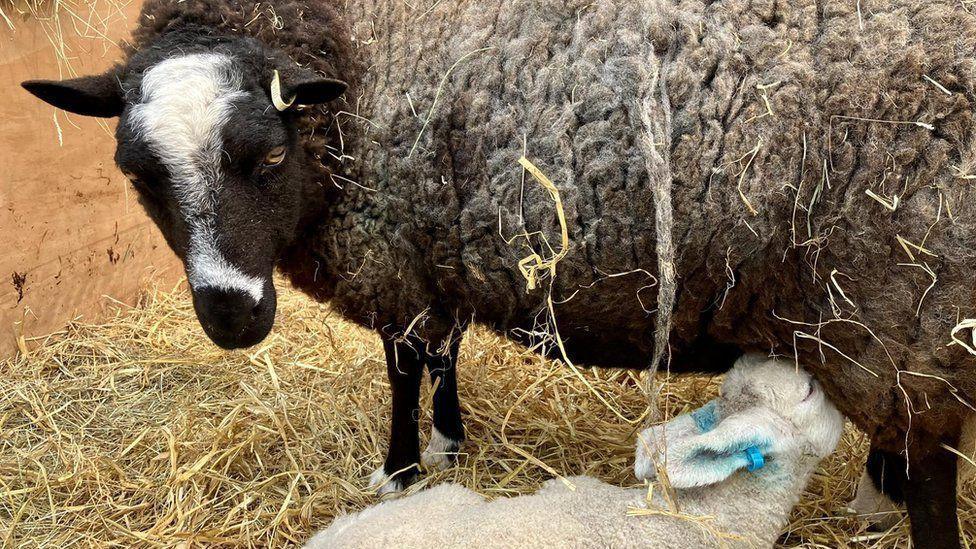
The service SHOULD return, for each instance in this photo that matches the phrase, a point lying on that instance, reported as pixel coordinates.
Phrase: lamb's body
(592, 515)
(717, 499)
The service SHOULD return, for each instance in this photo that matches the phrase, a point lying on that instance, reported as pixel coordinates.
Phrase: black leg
(887, 472)
(930, 495)
(404, 367)
(880, 496)
(448, 431)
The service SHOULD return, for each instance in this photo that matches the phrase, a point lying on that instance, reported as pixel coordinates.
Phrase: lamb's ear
(302, 87)
(741, 441)
(98, 95)
(653, 443)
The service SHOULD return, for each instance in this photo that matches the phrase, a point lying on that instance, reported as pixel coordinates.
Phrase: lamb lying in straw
(737, 464)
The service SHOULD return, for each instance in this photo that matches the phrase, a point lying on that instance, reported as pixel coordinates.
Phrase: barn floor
(139, 432)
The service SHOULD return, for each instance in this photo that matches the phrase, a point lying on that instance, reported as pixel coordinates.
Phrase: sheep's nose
(232, 318)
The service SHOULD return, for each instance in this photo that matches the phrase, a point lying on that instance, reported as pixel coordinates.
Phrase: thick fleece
(765, 404)
(818, 156)
(794, 127)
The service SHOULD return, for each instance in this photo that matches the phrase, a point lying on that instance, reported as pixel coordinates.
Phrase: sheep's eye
(275, 156)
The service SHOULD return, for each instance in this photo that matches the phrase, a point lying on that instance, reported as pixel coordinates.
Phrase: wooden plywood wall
(71, 231)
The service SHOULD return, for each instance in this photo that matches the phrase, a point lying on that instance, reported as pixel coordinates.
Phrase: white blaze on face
(186, 102)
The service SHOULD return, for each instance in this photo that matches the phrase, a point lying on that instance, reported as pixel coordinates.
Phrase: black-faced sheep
(738, 466)
(796, 172)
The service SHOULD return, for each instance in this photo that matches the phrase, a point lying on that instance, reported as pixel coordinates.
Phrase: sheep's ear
(97, 95)
(317, 91)
(302, 87)
(742, 441)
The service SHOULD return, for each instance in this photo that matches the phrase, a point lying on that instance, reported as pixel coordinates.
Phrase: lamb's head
(207, 135)
(789, 393)
(769, 412)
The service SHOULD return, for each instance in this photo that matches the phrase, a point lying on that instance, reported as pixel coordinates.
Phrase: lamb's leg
(448, 431)
(930, 495)
(404, 368)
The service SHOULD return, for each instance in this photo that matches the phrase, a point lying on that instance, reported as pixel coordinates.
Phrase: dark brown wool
(791, 125)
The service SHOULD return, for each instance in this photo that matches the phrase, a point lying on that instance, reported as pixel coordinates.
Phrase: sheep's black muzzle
(232, 319)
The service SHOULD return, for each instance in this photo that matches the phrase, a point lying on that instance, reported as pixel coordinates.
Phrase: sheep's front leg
(448, 431)
(404, 368)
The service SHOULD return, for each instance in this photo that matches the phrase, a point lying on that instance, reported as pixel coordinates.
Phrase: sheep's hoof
(873, 507)
(441, 452)
(385, 484)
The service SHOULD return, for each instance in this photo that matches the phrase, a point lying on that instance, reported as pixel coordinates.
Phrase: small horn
(276, 98)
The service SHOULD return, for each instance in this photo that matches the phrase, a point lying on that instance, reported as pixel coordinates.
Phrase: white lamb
(738, 466)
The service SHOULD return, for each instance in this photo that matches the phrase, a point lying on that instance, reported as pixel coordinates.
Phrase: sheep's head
(215, 157)
(769, 411)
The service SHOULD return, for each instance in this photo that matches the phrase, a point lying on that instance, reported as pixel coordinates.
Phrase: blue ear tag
(755, 458)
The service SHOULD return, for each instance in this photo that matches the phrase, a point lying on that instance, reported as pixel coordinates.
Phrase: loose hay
(139, 432)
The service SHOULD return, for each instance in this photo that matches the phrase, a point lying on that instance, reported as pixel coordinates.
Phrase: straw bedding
(139, 432)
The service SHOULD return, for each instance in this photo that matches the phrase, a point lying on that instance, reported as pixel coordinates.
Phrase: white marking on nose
(209, 269)
(186, 102)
